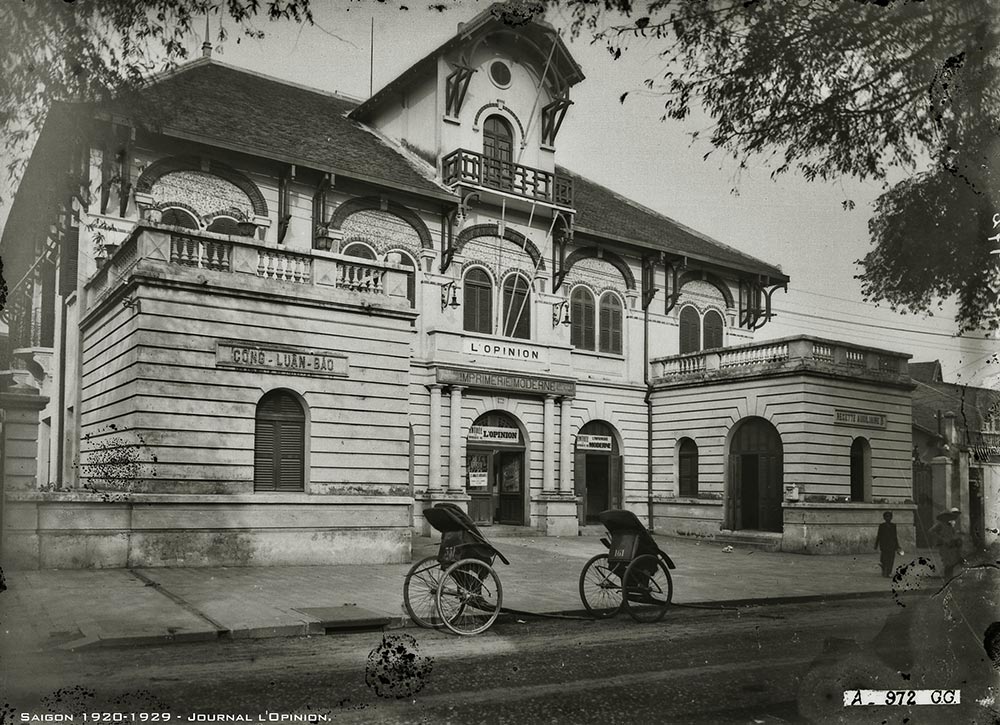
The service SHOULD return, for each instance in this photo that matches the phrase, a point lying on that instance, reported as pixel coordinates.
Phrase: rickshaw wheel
(469, 596)
(648, 588)
(420, 592)
(600, 588)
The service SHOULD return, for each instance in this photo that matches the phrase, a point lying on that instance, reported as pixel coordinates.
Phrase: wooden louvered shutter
(615, 492)
(690, 330)
(611, 324)
(279, 444)
(478, 302)
(68, 261)
(517, 308)
(589, 327)
(582, 319)
(713, 329)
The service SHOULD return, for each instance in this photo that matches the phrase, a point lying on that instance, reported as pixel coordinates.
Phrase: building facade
(278, 324)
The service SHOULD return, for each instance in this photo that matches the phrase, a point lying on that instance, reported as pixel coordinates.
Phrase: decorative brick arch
(168, 165)
(511, 235)
(712, 279)
(505, 112)
(376, 203)
(610, 257)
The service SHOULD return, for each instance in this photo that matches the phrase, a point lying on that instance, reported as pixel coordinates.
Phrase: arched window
(713, 324)
(224, 225)
(360, 250)
(516, 307)
(477, 301)
(279, 443)
(690, 324)
(861, 469)
(581, 316)
(611, 324)
(687, 459)
(498, 152)
(178, 217)
(405, 261)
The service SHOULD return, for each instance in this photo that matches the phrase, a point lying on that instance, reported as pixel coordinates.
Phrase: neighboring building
(284, 322)
(956, 453)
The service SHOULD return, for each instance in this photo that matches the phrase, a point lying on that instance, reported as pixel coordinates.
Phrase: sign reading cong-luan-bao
(510, 382)
(282, 359)
(859, 418)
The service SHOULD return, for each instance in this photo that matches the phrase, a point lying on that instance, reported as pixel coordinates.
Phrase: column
(455, 441)
(434, 452)
(548, 444)
(565, 453)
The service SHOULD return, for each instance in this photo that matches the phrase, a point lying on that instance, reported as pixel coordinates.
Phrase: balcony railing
(800, 352)
(239, 256)
(468, 167)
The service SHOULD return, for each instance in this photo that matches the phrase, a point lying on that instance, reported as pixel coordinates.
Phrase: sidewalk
(71, 609)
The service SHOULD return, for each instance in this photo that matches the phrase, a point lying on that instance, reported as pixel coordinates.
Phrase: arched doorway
(755, 476)
(279, 443)
(597, 471)
(494, 465)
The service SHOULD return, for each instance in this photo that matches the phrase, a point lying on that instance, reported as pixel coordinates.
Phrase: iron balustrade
(469, 167)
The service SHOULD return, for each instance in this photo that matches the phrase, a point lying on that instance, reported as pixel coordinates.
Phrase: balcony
(244, 262)
(468, 167)
(800, 354)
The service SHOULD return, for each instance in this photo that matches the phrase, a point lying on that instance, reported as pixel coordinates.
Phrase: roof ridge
(206, 61)
(681, 225)
(419, 165)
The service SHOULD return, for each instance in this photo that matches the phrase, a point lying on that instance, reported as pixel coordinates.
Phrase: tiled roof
(926, 372)
(215, 103)
(969, 404)
(607, 213)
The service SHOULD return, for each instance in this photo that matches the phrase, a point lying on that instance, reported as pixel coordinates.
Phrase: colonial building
(278, 323)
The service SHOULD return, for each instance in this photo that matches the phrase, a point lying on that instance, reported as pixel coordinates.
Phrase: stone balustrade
(231, 255)
(800, 352)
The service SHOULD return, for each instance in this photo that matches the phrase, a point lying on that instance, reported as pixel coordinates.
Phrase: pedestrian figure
(887, 543)
(948, 539)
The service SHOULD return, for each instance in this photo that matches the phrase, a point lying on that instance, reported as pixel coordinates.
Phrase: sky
(798, 225)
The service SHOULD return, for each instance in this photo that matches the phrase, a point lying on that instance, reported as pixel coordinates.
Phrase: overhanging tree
(849, 88)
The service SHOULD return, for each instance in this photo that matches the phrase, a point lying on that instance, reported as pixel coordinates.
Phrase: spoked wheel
(469, 596)
(648, 588)
(600, 588)
(420, 592)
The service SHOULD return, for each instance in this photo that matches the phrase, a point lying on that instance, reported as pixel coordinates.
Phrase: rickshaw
(457, 589)
(634, 573)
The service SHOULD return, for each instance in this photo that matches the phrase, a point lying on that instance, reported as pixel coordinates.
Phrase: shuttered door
(478, 302)
(615, 482)
(611, 324)
(279, 444)
(713, 330)
(690, 333)
(582, 319)
(580, 484)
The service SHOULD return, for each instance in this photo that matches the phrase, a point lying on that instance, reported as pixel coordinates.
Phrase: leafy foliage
(91, 50)
(855, 88)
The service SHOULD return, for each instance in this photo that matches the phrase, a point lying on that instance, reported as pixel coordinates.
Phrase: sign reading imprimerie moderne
(859, 418)
(511, 382)
(283, 359)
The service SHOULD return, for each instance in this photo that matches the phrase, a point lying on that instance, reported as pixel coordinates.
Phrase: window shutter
(290, 449)
(690, 330)
(589, 343)
(576, 319)
(582, 318)
(517, 308)
(713, 329)
(478, 302)
(263, 455)
(69, 252)
(611, 324)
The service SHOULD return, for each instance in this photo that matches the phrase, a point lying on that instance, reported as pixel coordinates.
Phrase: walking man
(949, 540)
(887, 543)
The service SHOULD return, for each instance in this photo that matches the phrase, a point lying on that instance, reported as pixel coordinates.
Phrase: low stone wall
(843, 528)
(79, 530)
(688, 517)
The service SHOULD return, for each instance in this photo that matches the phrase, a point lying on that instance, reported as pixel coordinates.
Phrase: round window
(500, 73)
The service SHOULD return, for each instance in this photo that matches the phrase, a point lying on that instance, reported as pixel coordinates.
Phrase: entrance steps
(758, 540)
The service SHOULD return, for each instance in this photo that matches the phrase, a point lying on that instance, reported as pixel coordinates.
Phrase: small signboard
(478, 479)
(493, 434)
(859, 418)
(283, 359)
(586, 442)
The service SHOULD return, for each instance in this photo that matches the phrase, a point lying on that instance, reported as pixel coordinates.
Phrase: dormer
(485, 108)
